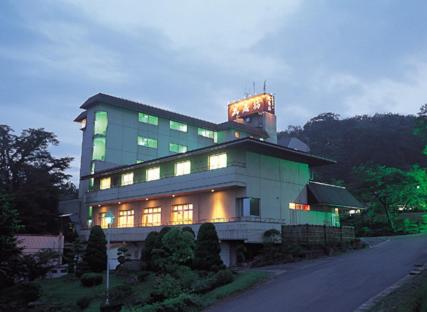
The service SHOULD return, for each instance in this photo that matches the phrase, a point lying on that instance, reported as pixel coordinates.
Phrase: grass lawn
(242, 282)
(64, 292)
(410, 297)
(67, 290)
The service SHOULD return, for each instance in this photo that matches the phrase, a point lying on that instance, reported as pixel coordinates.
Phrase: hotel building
(151, 167)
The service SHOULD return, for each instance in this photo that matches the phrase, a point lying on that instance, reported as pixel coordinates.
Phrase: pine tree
(96, 250)
(206, 253)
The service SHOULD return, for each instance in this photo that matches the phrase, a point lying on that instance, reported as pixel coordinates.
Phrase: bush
(121, 294)
(207, 250)
(112, 307)
(18, 296)
(83, 302)
(142, 276)
(165, 287)
(149, 245)
(181, 303)
(223, 277)
(91, 279)
(271, 236)
(189, 230)
(96, 251)
(185, 276)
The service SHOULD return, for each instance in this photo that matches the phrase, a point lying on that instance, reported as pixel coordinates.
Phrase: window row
(180, 214)
(181, 168)
(175, 125)
(152, 143)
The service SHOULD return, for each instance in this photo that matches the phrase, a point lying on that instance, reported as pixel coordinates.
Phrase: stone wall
(306, 234)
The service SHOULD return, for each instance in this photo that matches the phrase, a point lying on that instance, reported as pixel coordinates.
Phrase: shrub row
(91, 279)
(183, 302)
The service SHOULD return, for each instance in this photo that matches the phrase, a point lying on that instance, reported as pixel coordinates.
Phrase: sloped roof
(331, 195)
(246, 143)
(151, 110)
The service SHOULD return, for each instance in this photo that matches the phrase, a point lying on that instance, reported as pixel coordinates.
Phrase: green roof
(331, 195)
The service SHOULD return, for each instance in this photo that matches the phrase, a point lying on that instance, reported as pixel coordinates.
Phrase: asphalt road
(333, 284)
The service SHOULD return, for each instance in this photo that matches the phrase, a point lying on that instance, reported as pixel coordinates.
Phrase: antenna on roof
(253, 84)
(265, 85)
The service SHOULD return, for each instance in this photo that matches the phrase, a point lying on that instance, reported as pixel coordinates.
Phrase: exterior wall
(206, 206)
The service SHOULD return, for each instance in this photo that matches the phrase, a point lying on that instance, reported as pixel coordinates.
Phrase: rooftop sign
(263, 102)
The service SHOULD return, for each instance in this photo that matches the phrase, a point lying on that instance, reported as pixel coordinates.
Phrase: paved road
(334, 284)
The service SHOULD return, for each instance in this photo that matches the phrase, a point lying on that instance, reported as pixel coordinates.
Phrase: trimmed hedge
(91, 279)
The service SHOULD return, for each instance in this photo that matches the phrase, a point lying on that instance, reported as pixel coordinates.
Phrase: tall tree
(10, 252)
(421, 126)
(32, 177)
(207, 250)
(96, 250)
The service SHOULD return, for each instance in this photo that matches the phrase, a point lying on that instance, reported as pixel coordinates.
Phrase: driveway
(333, 284)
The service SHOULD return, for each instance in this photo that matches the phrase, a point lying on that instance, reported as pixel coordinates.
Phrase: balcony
(247, 229)
(231, 176)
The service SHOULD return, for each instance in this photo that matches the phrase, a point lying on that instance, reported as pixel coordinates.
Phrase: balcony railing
(166, 176)
(215, 220)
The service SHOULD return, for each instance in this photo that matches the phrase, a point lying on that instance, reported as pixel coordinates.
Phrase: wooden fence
(307, 234)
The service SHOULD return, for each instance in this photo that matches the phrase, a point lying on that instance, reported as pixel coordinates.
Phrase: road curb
(375, 299)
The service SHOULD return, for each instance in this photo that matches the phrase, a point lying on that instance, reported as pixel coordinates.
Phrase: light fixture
(99, 205)
(173, 195)
(212, 190)
(119, 203)
(146, 198)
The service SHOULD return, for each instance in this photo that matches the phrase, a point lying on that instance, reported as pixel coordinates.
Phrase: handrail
(197, 170)
(252, 219)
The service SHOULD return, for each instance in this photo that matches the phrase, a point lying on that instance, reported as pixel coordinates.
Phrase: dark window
(248, 206)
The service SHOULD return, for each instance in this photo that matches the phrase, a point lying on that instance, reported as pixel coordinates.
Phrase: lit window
(177, 148)
(127, 178)
(101, 123)
(249, 206)
(182, 168)
(105, 183)
(295, 206)
(236, 134)
(98, 148)
(153, 174)
(217, 161)
(83, 124)
(175, 125)
(149, 119)
(152, 217)
(103, 220)
(147, 142)
(182, 214)
(206, 133)
(126, 218)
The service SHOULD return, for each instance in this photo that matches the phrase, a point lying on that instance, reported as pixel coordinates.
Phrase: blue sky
(347, 57)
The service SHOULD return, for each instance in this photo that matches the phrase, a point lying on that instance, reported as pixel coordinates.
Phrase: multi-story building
(150, 167)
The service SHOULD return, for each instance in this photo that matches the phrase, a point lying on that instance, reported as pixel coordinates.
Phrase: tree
(207, 250)
(421, 126)
(32, 178)
(149, 245)
(389, 189)
(10, 252)
(96, 250)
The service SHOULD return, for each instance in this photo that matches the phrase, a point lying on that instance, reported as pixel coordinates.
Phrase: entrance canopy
(321, 194)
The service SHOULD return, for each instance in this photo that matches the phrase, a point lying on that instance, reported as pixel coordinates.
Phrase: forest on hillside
(381, 159)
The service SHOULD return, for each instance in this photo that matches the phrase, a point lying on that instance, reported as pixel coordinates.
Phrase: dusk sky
(193, 57)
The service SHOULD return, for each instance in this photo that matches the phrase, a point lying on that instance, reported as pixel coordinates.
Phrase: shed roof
(331, 195)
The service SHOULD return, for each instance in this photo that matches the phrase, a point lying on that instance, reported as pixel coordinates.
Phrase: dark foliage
(189, 230)
(10, 253)
(91, 279)
(149, 245)
(32, 178)
(207, 250)
(382, 139)
(83, 302)
(96, 250)
(18, 296)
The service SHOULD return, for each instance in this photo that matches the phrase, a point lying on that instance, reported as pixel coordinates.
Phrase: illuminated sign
(263, 102)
